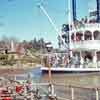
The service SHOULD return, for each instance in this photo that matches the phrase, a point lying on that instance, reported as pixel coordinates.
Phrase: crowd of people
(61, 60)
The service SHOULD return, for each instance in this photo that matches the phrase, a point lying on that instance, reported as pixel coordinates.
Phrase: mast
(51, 22)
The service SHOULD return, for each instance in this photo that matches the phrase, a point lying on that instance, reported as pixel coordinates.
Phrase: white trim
(58, 69)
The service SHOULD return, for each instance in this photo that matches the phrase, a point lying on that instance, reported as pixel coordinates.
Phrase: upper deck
(83, 36)
(84, 27)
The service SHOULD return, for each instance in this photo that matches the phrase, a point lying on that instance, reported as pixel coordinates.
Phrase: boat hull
(67, 70)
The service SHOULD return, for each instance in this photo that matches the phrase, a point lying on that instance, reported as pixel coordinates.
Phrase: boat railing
(70, 63)
(85, 45)
(92, 25)
(76, 65)
(84, 65)
(85, 26)
(62, 60)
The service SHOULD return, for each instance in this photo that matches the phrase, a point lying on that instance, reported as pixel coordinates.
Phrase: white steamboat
(84, 46)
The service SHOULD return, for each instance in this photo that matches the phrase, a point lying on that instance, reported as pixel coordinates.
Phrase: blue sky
(24, 20)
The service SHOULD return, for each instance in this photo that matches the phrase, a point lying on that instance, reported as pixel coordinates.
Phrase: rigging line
(52, 23)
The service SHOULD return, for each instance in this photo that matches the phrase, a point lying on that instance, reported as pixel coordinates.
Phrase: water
(76, 79)
(82, 79)
(79, 79)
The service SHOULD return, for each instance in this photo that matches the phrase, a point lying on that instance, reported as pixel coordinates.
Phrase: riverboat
(83, 44)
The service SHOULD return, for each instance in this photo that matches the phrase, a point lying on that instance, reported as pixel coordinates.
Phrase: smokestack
(98, 11)
(74, 9)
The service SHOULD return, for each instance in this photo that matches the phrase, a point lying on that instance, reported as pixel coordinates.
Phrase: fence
(68, 92)
(57, 91)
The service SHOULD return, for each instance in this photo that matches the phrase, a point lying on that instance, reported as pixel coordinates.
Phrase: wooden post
(49, 71)
(72, 93)
(97, 94)
(49, 74)
(52, 92)
(25, 90)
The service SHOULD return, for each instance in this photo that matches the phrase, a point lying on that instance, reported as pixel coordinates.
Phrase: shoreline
(12, 70)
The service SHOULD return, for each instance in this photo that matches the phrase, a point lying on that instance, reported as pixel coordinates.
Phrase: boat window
(88, 35)
(96, 35)
(79, 36)
(88, 56)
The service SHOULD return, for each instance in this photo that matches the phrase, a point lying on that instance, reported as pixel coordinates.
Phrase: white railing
(89, 26)
(92, 25)
(88, 45)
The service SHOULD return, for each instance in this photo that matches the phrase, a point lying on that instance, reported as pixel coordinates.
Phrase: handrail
(75, 86)
(87, 25)
(62, 84)
(72, 87)
(85, 44)
(51, 93)
(58, 84)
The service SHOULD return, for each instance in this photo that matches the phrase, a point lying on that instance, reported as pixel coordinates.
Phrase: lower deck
(65, 70)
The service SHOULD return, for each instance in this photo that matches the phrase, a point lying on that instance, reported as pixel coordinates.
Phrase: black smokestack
(74, 9)
(98, 11)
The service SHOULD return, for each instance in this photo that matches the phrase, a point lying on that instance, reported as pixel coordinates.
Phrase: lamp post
(49, 49)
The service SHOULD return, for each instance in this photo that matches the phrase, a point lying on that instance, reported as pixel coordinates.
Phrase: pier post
(52, 95)
(49, 74)
(97, 94)
(52, 89)
(72, 93)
